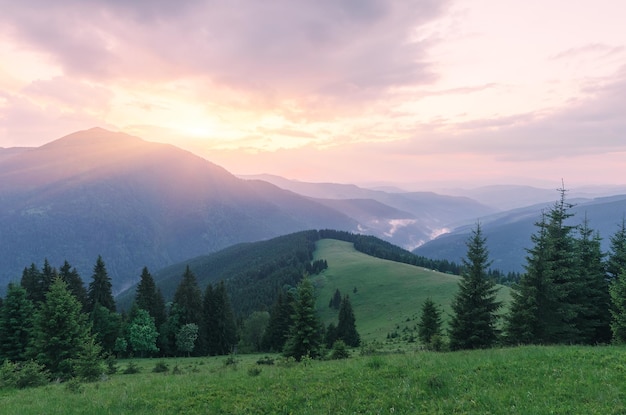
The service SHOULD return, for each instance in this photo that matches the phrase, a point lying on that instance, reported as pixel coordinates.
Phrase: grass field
(389, 295)
(524, 380)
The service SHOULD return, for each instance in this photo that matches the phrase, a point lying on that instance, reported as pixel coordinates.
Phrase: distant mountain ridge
(137, 204)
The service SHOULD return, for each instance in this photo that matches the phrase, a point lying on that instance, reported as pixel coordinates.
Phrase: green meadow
(524, 380)
(389, 295)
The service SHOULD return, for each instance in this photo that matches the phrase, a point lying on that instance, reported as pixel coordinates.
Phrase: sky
(418, 92)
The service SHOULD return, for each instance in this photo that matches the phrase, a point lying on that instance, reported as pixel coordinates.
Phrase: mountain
(137, 204)
(408, 219)
(508, 233)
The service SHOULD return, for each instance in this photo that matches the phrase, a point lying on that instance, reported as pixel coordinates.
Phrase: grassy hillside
(524, 380)
(389, 295)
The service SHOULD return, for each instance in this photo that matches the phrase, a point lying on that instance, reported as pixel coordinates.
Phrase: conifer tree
(430, 322)
(32, 282)
(74, 283)
(148, 297)
(346, 327)
(618, 307)
(186, 308)
(220, 327)
(617, 255)
(592, 295)
(280, 322)
(61, 331)
(16, 322)
(100, 288)
(305, 333)
(106, 326)
(473, 323)
(335, 302)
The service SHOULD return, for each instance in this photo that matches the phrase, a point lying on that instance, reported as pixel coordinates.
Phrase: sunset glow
(375, 91)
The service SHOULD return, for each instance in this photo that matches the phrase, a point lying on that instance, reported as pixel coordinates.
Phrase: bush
(131, 369)
(340, 350)
(74, 385)
(254, 371)
(26, 375)
(265, 361)
(111, 365)
(161, 367)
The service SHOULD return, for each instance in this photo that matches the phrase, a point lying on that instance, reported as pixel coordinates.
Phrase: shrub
(375, 363)
(74, 385)
(254, 371)
(31, 374)
(161, 367)
(340, 350)
(8, 374)
(265, 361)
(131, 369)
(111, 365)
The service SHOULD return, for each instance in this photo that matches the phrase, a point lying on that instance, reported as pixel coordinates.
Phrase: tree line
(570, 293)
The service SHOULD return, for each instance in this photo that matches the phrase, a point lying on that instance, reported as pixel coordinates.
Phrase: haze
(365, 91)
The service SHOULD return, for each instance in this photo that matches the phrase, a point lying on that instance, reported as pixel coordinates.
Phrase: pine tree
(617, 291)
(74, 283)
(100, 288)
(280, 322)
(473, 323)
(430, 322)
(305, 334)
(32, 282)
(220, 328)
(61, 331)
(16, 322)
(335, 302)
(148, 297)
(186, 308)
(617, 255)
(593, 319)
(346, 327)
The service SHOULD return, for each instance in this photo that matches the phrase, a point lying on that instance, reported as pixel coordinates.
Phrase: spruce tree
(32, 282)
(618, 307)
(148, 297)
(473, 323)
(16, 323)
(346, 327)
(100, 288)
(617, 255)
(186, 308)
(335, 302)
(74, 283)
(220, 328)
(592, 295)
(430, 322)
(305, 333)
(280, 322)
(106, 326)
(61, 331)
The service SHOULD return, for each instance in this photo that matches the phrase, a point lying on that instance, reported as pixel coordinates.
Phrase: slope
(388, 296)
(136, 203)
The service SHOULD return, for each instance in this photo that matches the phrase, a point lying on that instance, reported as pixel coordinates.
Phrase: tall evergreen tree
(335, 302)
(280, 322)
(617, 254)
(74, 283)
(220, 327)
(148, 297)
(618, 307)
(16, 322)
(473, 323)
(106, 326)
(100, 288)
(346, 327)
(305, 334)
(185, 309)
(430, 322)
(32, 282)
(593, 319)
(61, 331)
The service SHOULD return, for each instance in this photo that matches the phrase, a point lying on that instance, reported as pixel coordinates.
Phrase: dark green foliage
(188, 299)
(220, 327)
(330, 335)
(253, 332)
(32, 282)
(88, 365)
(16, 322)
(346, 327)
(74, 283)
(186, 338)
(618, 308)
(142, 333)
(161, 367)
(280, 322)
(99, 291)
(148, 297)
(22, 375)
(335, 302)
(430, 322)
(61, 331)
(339, 351)
(106, 326)
(473, 323)
(617, 257)
(305, 337)
(131, 369)
(593, 318)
